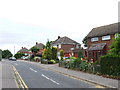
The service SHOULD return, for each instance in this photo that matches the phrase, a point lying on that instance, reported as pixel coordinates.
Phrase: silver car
(12, 58)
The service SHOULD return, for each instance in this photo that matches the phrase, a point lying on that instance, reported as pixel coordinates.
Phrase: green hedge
(110, 65)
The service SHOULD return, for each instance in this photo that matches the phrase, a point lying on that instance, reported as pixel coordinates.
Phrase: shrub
(110, 64)
(84, 66)
(51, 62)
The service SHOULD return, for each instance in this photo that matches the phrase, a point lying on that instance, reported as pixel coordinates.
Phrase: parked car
(12, 58)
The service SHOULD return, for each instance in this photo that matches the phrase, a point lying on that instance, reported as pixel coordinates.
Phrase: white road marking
(16, 64)
(50, 79)
(33, 70)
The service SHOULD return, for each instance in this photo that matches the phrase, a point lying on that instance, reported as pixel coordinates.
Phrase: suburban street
(36, 77)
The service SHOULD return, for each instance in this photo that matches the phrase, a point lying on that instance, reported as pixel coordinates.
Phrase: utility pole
(14, 50)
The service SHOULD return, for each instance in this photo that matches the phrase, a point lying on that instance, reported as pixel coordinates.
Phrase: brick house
(99, 39)
(69, 46)
(41, 47)
(25, 51)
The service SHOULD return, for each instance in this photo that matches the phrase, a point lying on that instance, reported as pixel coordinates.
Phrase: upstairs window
(106, 37)
(94, 39)
(77, 46)
(59, 46)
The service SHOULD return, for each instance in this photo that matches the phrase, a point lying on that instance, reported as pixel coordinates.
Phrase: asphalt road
(36, 77)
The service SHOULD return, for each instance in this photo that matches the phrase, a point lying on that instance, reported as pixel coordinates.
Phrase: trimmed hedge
(110, 65)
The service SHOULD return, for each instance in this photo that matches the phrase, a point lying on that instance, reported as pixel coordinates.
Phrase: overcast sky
(25, 22)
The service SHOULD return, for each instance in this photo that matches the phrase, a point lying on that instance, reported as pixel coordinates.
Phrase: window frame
(106, 37)
(93, 39)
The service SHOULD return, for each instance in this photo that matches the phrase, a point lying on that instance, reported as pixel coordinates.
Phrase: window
(77, 46)
(106, 37)
(59, 46)
(94, 39)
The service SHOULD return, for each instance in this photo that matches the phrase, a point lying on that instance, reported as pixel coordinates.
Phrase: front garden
(107, 66)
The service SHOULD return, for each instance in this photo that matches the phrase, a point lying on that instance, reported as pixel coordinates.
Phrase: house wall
(108, 42)
(105, 50)
(67, 49)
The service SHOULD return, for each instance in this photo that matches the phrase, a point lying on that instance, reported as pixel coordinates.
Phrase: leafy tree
(19, 55)
(85, 42)
(0, 54)
(61, 54)
(34, 49)
(80, 54)
(47, 53)
(54, 53)
(115, 47)
(6, 54)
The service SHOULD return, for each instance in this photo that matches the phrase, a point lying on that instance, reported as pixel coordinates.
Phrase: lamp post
(14, 50)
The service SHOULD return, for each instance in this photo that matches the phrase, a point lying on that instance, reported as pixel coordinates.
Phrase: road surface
(37, 77)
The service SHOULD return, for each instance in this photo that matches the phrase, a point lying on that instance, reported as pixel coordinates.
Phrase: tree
(61, 54)
(6, 54)
(80, 54)
(47, 53)
(115, 47)
(85, 42)
(19, 55)
(34, 49)
(0, 54)
(54, 53)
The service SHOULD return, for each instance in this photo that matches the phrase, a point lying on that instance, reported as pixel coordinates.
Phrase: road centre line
(16, 64)
(50, 79)
(33, 70)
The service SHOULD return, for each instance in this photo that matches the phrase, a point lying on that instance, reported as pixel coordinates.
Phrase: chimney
(36, 43)
(22, 47)
(58, 37)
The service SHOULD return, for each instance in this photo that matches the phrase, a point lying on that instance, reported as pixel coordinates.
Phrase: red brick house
(41, 47)
(69, 46)
(99, 39)
(25, 51)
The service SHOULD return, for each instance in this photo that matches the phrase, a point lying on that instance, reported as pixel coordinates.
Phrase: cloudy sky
(25, 22)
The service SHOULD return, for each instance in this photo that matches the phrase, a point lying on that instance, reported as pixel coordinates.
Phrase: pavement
(107, 82)
(7, 77)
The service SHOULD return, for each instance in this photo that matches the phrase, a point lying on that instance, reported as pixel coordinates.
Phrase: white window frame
(77, 46)
(94, 39)
(59, 46)
(107, 37)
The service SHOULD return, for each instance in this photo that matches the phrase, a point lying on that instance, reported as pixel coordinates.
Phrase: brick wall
(108, 42)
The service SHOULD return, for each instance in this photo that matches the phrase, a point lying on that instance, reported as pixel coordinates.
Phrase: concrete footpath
(111, 83)
(7, 76)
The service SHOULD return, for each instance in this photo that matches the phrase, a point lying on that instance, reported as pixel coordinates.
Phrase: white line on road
(33, 70)
(50, 79)
(16, 64)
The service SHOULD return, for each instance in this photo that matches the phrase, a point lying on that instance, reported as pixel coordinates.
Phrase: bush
(110, 65)
(84, 66)
(51, 62)
(44, 61)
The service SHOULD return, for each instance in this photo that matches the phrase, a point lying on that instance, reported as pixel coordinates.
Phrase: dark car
(12, 58)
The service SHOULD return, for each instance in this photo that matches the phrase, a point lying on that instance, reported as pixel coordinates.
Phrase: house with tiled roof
(40, 46)
(25, 51)
(99, 39)
(69, 46)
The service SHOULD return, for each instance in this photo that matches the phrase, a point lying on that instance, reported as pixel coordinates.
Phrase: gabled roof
(64, 40)
(23, 49)
(104, 30)
(39, 45)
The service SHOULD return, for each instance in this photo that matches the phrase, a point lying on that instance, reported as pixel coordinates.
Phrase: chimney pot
(58, 37)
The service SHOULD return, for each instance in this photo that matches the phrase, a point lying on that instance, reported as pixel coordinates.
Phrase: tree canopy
(85, 42)
(61, 54)
(19, 55)
(115, 47)
(35, 49)
(6, 54)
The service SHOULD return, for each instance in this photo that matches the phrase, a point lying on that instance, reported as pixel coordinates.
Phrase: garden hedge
(110, 65)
